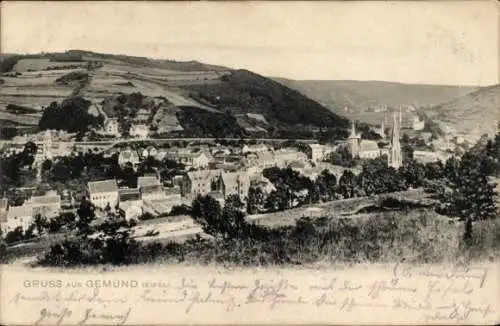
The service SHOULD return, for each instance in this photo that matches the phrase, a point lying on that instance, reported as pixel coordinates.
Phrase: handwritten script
(458, 295)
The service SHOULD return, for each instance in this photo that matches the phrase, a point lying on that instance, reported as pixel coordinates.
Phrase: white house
(200, 182)
(110, 127)
(139, 131)
(48, 205)
(235, 183)
(258, 148)
(151, 192)
(197, 160)
(128, 156)
(317, 152)
(169, 198)
(17, 216)
(102, 193)
(149, 151)
(131, 209)
(418, 124)
(148, 180)
(284, 157)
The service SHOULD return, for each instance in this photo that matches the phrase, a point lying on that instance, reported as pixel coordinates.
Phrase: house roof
(256, 146)
(20, 211)
(128, 154)
(103, 186)
(266, 156)
(46, 199)
(203, 174)
(147, 181)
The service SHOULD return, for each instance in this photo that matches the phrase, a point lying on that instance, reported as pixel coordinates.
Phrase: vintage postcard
(249, 163)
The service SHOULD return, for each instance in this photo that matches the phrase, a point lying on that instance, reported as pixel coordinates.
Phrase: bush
(111, 244)
(15, 235)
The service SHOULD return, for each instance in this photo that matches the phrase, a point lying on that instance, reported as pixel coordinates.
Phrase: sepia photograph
(256, 162)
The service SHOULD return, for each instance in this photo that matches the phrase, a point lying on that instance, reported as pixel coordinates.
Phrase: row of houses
(258, 155)
(11, 217)
(149, 196)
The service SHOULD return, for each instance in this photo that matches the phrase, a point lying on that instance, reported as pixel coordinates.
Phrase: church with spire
(369, 149)
(395, 157)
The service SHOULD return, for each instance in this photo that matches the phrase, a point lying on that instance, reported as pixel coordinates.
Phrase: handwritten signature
(90, 316)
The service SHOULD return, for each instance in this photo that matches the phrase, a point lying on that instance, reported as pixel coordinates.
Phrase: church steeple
(395, 158)
(353, 141)
(353, 130)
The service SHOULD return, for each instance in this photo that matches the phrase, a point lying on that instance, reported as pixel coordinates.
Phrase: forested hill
(243, 92)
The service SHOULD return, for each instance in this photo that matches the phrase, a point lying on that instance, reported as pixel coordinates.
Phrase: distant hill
(243, 92)
(361, 96)
(470, 115)
(190, 98)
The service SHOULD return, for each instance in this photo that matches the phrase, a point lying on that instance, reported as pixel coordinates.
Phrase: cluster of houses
(150, 196)
(139, 127)
(11, 217)
(219, 171)
(216, 170)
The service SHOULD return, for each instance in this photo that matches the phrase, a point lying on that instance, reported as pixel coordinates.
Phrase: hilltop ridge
(251, 104)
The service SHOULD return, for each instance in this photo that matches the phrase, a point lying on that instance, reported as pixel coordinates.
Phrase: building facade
(139, 131)
(128, 156)
(48, 205)
(103, 193)
(235, 183)
(17, 216)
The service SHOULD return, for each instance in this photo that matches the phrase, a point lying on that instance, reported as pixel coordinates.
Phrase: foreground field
(414, 236)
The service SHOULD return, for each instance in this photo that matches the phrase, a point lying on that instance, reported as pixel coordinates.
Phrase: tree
(70, 115)
(406, 149)
(326, 185)
(473, 196)
(15, 235)
(233, 202)
(451, 169)
(414, 174)
(46, 166)
(279, 199)
(207, 212)
(347, 184)
(85, 217)
(256, 200)
(40, 223)
(434, 170)
(341, 157)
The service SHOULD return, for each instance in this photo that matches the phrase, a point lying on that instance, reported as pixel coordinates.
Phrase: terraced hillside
(188, 96)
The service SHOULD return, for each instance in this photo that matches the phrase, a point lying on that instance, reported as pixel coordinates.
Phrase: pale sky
(413, 42)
